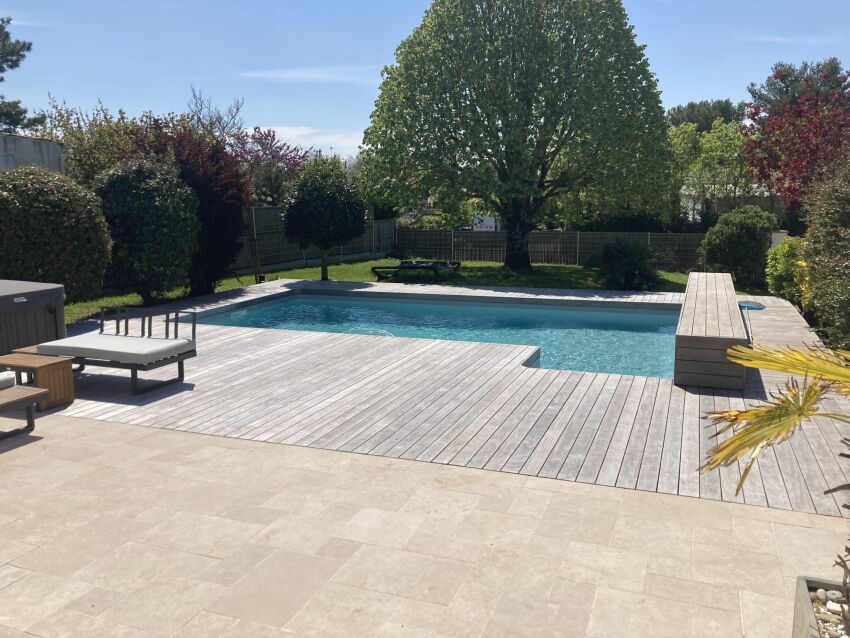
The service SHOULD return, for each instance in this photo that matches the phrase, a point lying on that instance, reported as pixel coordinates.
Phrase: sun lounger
(135, 352)
(437, 267)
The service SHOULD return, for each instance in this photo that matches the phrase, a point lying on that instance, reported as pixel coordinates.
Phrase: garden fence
(274, 251)
(672, 251)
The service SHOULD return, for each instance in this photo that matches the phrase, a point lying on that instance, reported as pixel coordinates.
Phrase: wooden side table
(51, 373)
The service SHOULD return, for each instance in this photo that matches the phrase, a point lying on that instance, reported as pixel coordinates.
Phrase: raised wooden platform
(710, 323)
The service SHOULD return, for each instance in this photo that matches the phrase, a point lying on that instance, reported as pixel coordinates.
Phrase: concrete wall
(17, 150)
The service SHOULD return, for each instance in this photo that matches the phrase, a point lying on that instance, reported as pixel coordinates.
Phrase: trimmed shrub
(626, 265)
(222, 186)
(52, 230)
(783, 269)
(326, 210)
(827, 255)
(153, 222)
(738, 244)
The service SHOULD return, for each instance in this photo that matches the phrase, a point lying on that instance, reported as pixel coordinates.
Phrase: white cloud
(342, 143)
(360, 75)
(794, 39)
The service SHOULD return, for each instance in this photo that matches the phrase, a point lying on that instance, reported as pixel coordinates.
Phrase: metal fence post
(373, 233)
(578, 245)
(452, 240)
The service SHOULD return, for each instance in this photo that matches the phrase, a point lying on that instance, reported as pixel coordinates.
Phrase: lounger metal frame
(124, 316)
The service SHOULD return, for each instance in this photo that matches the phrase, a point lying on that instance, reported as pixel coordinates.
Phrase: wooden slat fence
(275, 251)
(673, 251)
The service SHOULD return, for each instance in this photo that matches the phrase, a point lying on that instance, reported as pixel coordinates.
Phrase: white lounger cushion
(121, 348)
(6, 381)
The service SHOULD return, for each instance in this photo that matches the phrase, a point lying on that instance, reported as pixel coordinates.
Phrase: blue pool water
(620, 341)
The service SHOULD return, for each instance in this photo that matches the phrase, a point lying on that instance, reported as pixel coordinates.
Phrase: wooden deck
(476, 405)
(709, 324)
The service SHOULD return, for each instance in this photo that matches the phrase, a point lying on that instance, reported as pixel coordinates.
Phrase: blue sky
(311, 67)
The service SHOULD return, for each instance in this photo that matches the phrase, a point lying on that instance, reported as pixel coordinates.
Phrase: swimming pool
(622, 340)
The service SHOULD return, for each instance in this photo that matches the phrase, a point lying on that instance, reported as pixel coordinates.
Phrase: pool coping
(280, 289)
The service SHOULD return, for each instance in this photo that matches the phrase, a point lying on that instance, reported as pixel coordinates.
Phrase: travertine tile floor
(116, 530)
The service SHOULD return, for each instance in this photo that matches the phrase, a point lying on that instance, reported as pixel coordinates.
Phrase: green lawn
(472, 273)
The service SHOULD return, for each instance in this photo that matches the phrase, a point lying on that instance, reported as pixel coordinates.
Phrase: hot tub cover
(16, 294)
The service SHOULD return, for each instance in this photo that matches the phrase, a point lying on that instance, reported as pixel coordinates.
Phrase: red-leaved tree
(219, 180)
(796, 143)
(272, 164)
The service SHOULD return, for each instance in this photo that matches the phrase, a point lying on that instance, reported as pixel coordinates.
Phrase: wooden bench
(24, 396)
(709, 324)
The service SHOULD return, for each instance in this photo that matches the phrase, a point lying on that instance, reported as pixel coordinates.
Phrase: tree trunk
(517, 228)
(324, 265)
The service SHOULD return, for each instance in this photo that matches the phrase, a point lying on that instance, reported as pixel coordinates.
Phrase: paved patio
(111, 529)
(476, 405)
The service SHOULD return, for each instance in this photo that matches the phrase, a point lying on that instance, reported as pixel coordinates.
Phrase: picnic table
(439, 268)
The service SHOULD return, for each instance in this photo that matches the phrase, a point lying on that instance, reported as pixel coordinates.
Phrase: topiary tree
(827, 256)
(738, 244)
(326, 210)
(52, 230)
(153, 222)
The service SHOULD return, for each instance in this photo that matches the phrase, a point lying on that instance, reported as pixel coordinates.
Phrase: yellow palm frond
(817, 363)
(766, 425)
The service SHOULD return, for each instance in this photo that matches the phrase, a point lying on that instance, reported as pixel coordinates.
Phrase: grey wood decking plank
(561, 449)
(709, 482)
(518, 458)
(356, 398)
(610, 445)
(729, 475)
(453, 440)
(474, 443)
(510, 443)
(629, 437)
(603, 415)
(383, 443)
(689, 461)
(549, 439)
(472, 404)
(642, 472)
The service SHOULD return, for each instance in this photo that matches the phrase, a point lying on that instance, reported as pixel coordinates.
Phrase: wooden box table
(51, 373)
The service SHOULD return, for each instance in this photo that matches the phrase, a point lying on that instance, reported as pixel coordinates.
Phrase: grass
(473, 273)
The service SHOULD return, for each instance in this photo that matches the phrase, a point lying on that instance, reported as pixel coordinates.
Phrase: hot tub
(30, 313)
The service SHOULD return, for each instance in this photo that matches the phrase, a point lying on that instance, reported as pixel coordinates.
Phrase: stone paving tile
(190, 540)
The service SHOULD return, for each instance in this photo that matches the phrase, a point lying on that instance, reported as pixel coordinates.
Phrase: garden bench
(436, 267)
(709, 324)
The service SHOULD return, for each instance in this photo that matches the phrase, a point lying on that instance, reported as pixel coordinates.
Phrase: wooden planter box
(805, 623)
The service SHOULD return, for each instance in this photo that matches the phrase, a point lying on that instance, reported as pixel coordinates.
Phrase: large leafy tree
(705, 112)
(13, 116)
(799, 128)
(518, 102)
(326, 210)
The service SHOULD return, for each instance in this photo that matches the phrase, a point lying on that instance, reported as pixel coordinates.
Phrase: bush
(52, 230)
(827, 255)
(153, 222)
(738, 244)
(626, 265)
(327, 209)
(221, 185)
(783, 269)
